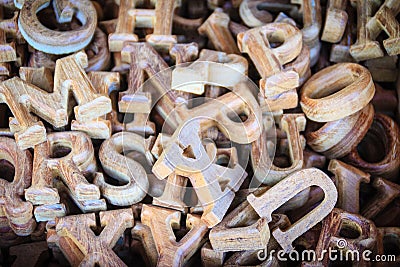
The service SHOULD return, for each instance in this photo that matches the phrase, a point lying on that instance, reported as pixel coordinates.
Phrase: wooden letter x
(95, 248)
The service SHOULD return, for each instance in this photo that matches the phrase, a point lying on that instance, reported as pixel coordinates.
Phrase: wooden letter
(17, 211)
(77, 237)
(162, 222)
(123, 169)
(280, 193)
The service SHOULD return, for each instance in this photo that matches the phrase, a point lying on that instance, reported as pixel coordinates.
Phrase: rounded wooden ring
(336, 92)
(386, 129)
(57, 42)
(338, 138)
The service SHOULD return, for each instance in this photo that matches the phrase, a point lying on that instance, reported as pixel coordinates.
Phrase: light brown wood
(57, 42)
(41, 77)
(85, 248)
(251, 15)
(348, 180)
(242, 229)
(385, 19)
(312, 23)
(173, 194)
(162, 222)
(185, 156)
(210, 257)
(71, 168)
(333, 231)
(123, 169)
(386, 192)
(322, 102)
(338, 138)
(105, 83)
(269, 62)
(124, 31)
(8, 52)
(99, 57)
(276, 94)
(280, 193)
(184, 53)
(335, 21)
(264, 169)
(144, 59)
(217, 30)
(250, 257)
(365, 47)
(195, 77)
(17, 211)
(23, 98)
(340, 52)
(162, 37)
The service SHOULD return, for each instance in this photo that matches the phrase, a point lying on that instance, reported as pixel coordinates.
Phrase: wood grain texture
(312, 23)
(23, 98)
(99, 57)
(106, 83)
(57, 42)
(280, 193)
(388, 166)
(338, 138)
(194, 78)
(18, 212)
(348, 180)
(162, 37)
(125, 27)
(123, 169)
(251, 15)
(70, 168)
(216, 28)
(162, 222)
(335, 21)
(142, 233)
(242, 229)
(136, 54)
(83, 247)
(366, 47)
(7, 50)
(340, 52)
(185, 156)
(264, 169)
(334, 228)
(269, 61)
(323, 95)
(41, 77)
(251, 257)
